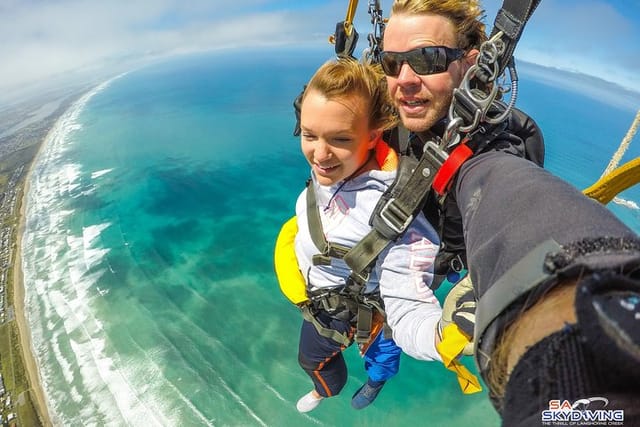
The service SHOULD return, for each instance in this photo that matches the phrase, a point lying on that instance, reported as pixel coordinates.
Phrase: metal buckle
(436, 152)
(388, 216)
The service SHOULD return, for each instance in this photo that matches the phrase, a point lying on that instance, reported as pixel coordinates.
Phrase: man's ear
(470, 58)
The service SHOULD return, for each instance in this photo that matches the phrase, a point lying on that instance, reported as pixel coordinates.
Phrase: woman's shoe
(308, 402)
(366, 394)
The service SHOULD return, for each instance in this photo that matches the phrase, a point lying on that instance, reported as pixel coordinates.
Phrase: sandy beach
(30, 365)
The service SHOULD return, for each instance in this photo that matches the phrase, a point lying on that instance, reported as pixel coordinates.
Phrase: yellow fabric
(452, 344)
(621, 178)
(290, 278)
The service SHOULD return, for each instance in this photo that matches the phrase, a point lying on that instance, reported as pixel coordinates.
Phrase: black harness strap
(404, 199)
(398, 206)
(345, 42)
(364, 323)
(511, 20)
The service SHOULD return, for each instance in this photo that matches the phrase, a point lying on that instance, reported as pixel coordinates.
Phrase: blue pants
(322, 359)
(382, 359)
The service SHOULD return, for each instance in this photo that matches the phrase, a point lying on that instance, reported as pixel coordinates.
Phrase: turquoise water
(152, 215)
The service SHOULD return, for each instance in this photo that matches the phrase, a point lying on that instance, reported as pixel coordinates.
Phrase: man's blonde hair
(466, 16)
(346, 77)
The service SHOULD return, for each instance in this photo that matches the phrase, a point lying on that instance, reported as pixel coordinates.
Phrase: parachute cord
(623, 146)
(616, 179)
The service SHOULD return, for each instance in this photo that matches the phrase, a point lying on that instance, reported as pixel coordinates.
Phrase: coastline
(31, 367)
(31, 139)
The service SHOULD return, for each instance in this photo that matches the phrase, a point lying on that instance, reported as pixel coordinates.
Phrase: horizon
(596, 87)
(89, 41)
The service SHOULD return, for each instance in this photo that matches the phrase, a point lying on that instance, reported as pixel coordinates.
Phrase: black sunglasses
(423, 60)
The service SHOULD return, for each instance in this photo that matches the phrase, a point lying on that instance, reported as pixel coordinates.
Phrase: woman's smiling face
(336, 139)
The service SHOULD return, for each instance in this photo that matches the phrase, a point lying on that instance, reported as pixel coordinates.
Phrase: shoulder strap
(395, 210)
(355, 283)
(327, 249)
(511, 19)
(406, 196)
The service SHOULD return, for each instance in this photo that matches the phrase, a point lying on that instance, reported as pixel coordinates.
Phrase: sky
(52, 41)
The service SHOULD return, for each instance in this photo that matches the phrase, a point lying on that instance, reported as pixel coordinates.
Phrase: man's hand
(460, 308)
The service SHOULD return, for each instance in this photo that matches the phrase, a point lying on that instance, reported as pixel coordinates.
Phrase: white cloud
(53, 40)
(588, 36)
(44, 40)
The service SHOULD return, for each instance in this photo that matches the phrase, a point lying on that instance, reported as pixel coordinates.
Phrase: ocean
(151, 219)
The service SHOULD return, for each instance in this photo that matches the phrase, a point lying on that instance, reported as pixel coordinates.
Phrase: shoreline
(30, 365)
(40, 135)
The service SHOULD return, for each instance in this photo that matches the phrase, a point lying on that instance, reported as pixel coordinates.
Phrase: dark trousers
(322, 359)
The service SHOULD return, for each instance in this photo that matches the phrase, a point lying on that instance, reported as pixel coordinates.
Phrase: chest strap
(401, 203)
(391, 217)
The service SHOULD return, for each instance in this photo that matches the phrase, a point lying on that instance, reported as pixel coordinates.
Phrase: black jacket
(522, 137)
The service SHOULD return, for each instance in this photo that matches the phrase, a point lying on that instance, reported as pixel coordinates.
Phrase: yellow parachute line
(351, 13)
(617, 179)
(607, 187)
(348, 20)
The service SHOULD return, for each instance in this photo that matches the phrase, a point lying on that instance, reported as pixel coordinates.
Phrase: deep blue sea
(151, 220)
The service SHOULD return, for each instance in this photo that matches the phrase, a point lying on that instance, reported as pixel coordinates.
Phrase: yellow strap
(621, 178)
(290, 278)
(453, 341)
(351, 12)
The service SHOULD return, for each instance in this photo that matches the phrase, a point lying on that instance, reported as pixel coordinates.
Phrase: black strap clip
(364, 323)
(345, 43)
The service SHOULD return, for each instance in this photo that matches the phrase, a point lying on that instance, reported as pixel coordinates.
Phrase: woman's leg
(321, 357)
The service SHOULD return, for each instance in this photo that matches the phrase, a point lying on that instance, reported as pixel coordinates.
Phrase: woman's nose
(321, 151)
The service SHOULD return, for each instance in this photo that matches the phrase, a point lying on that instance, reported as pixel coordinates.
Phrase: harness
(348, 303)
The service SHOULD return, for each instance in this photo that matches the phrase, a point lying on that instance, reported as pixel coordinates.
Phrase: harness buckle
(395, 218)
(321, 259)
(356, 283)
(363, 324)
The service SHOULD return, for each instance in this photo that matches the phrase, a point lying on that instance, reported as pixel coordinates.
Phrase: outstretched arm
(534, 242)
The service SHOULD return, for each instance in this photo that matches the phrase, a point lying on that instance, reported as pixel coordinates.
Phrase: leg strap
(343, 339)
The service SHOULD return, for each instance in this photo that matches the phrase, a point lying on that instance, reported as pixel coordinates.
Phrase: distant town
(7, 213)
(23, 129)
